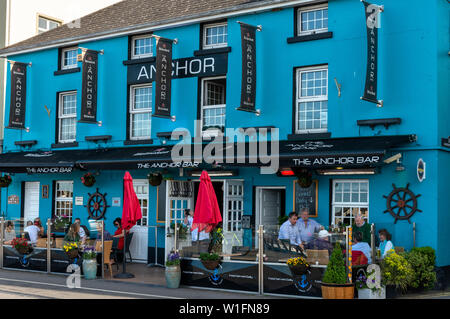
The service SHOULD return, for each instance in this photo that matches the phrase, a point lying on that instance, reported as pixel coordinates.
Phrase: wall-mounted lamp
(100, 123)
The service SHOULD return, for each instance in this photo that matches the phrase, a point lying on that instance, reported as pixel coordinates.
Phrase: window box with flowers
(5, 180)
(88, 179)
(298, 266)
(61, 224)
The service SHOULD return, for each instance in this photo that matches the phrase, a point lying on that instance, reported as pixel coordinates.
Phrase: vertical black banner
(248, 89)
(163, 80)
(370, 89)
(18, 95)
(89, 87)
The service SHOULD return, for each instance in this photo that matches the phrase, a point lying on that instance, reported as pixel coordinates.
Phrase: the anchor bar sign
(163, 77)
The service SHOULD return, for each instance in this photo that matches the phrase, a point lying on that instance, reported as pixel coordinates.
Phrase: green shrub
(335, 272)
(422, 261)
(396, 270)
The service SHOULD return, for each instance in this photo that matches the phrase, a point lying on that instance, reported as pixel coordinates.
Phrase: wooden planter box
(338, 291)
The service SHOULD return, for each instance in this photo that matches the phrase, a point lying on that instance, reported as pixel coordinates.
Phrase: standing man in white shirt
(289, 230)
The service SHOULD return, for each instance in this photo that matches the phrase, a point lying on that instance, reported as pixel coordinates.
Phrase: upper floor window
(45, 24)
(140, 112)
(312, 100)
(313, 19)
(215, 35)
(67, 117)
(213, 103)
(141, 47)
(69, 58)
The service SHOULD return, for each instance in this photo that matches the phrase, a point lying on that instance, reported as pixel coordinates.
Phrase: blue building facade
(413, 82)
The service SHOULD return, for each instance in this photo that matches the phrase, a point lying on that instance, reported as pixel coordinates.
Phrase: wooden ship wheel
(96, 205)
(401, 203)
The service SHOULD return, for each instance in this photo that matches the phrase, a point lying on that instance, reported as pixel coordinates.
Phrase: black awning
(38, 162)
(331, 152)
(344, 152)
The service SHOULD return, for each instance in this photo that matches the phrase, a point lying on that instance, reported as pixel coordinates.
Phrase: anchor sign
(303, 283)
(216, 278)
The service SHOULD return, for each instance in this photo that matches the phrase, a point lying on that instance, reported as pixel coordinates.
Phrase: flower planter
(298, 270)
(210, 264)
(23, 250)
(173, 276)
(89, 183)
(90, 268)
(338, 291)
(72, 253)
(372, 294)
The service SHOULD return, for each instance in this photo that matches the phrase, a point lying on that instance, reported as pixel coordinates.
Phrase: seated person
(119, 234)
(33, 232)
(360, 225)
(385, 242)
(106, 235)
(73, 233)
(360, 250)
(188, 221)
(83, 231)
(307, 227)
(38, 223)
(321, 243)
(290, 231)
(10, 233)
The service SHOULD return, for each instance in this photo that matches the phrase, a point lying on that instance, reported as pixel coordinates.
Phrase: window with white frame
(234, 206)
(312, 19)
(67, 117)
(215, 35)
(69, 58)
(312, 100)
(350, 197)
(213, 103)
(141, 190)
(140, 112)
(63, 198)
(46, 24)
(141, 47)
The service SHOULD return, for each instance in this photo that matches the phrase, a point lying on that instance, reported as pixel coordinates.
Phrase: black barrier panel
(279, 280)
(228, 275)
(60, 261)
(36, 260)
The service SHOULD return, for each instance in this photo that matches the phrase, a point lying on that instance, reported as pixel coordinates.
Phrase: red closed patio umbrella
(131, 213)
(207, 213)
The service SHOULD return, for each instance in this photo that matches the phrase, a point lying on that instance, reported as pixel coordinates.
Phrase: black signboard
(89, 87)
(446, 142)
(208, 65)
(306, 198)
(248, 89)
(163, 77)
(18, 95)
(370, 89)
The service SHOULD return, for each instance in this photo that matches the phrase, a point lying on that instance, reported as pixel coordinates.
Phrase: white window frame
(350, 204)
(210, 132)
(300, 99)
(48, 20)
(133, 47)
(133, 112)
(61, 116)
(63, 199)
(141, 197)
(213, 46)
(70, 66)
(309, 9)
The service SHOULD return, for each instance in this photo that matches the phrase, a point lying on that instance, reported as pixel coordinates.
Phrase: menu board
(161, 203)
(306, 197)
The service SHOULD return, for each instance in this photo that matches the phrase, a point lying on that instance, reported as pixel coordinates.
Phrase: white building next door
(31, 204)
(139, 243)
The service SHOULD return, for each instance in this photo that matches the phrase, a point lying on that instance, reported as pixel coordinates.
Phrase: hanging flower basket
(155, 179)
(5, 180)
(304, 178)
(210, 260)
(88, 179)
(22, 246)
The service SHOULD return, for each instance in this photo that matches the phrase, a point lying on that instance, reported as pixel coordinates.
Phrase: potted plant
(304, 178)
(89, 263)
(88, 179)
(173, 270)
(5, 180)
(298, 266)
(155, 179)
(71, 249)
(182, 230)
(217, 239)
(22, 246)
(61, 223)
(334, 282)
(210, 260)
(364, 292)
(397, 273)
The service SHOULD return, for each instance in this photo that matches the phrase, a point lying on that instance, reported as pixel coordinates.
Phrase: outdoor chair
(41, 243)
(127, 245)
(107, 254)
(115, 244)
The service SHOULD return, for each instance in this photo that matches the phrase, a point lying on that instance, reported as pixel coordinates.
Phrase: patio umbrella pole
(124, 273)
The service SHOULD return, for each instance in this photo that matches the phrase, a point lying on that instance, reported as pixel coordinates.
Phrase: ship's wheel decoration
(402, 203)
(96, 205)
